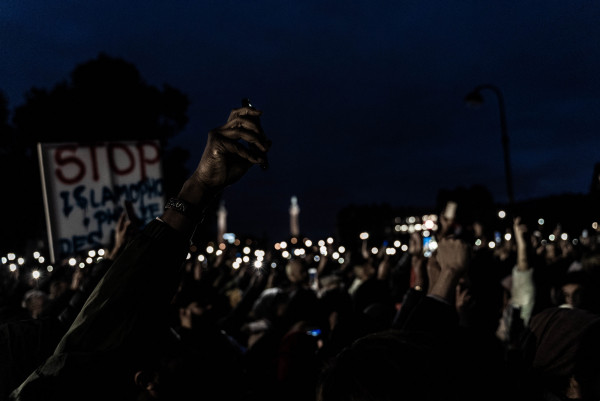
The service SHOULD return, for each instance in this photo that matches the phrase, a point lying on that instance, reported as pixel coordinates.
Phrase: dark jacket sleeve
(423, 313)
(78, 298)
(118, 325)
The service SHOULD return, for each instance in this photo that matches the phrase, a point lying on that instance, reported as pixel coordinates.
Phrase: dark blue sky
(362, 99)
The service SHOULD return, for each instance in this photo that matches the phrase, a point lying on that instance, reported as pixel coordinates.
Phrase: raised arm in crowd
(122, 329)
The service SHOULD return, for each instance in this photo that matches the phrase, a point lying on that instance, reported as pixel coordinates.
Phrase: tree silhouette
(106, 99)
(23, 212)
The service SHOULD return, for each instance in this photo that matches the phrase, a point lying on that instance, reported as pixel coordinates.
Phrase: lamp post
(474, 98)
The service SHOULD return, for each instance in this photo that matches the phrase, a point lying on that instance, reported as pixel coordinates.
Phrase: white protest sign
(86, 185)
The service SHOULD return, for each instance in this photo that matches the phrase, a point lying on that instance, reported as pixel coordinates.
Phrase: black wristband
(190, 211)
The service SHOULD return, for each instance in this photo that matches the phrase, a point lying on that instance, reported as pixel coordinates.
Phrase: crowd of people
(462, 316)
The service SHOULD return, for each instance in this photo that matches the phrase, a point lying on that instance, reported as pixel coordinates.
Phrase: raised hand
(453, 254)
(229, 153)
(120, 235)
(453, 257)
(226, 157)
(519, 231)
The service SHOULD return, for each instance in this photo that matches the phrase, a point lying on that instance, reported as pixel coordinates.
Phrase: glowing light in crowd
(12, 267)
(541, 222)
(273, 265)
(433, 245)
(341, 261)
(285, 254)
(235, 265)
(257, 264)
(49, 268)
(397, 227)
(551, 237)
(277, 246)
(390, 251)
(219, 252)
(502, 214)
(89, 261)
(317, 258)
(323, 250)
(564, 236)
(404, 227)
(210, 249)
(41, 259)
(101, 252)
(11, 256)
(411, 220)
(418, 227)
(246, 259)
(222, 246)
(330, 240)
(335, 255)
(20, 261)
(404, 248)
(426, 233)
(507, 236)
(341, 249)
(294, 240)
(429, 224)
(364, 236)
(477, 242)
(411, 229)
(397, 244)
(35, 274)
(239, 260)
(492, 244)
(201, 258)
(81, 265)
(374, 250)
(36, 255)
(92, 253)
(72, 262)
(595, 225)
(189, 256)
(4, 260)
(308, 243)
(283, 244)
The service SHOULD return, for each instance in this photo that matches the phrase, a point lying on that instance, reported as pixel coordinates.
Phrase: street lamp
(474, 99)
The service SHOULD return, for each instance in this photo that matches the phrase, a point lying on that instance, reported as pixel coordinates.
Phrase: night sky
(363, 99)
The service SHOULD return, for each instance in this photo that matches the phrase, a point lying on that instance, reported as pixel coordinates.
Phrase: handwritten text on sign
(86, 186)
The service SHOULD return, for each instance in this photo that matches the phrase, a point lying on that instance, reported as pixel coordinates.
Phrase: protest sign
(86, 186)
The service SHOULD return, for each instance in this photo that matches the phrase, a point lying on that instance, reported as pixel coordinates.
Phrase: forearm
(522, 262)
(418, 277)
(444, 288)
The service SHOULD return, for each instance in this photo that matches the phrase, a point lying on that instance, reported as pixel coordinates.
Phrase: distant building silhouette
(294, 212)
